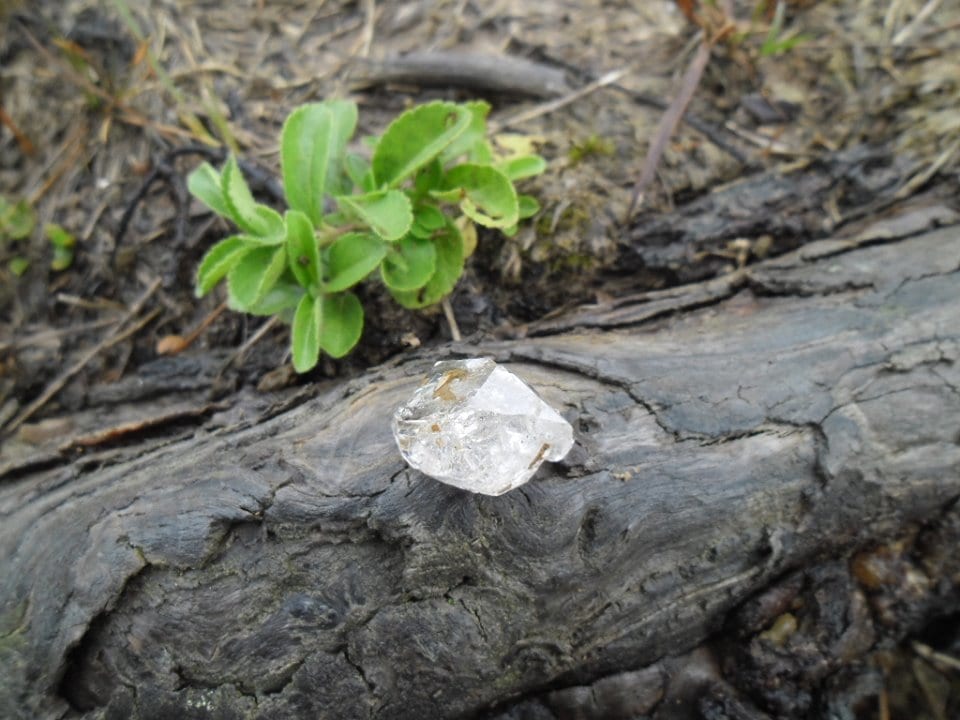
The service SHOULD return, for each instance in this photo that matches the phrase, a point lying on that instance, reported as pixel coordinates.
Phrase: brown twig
(26, 147)
(174, 344)
(114, 336)
(669, 121)
(486, 72)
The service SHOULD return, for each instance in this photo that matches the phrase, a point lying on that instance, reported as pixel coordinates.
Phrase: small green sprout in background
(17, 221)
(593, 146)
(349, 216)
(62, 243)
(777, 41)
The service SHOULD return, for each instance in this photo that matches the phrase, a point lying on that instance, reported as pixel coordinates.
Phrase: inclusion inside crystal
(479, 427)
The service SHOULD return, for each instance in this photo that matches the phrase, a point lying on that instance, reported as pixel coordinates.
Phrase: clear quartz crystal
(479, 427)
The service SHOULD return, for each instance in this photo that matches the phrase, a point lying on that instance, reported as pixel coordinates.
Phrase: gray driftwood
(737, 442)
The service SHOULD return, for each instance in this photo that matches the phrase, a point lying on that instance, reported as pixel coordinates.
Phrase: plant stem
(451, 319)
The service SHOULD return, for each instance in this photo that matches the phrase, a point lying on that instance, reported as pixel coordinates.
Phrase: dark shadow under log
(737, 442)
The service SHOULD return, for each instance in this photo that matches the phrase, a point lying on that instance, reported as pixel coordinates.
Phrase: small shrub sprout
(404, 212)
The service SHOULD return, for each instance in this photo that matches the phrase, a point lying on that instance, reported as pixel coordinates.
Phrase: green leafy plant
(404, 211)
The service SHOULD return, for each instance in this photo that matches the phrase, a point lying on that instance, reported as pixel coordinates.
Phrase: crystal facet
(479, 427)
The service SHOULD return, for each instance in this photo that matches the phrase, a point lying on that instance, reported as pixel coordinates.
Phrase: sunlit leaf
(249, 215)
(449, 268)
(359, 172)
(341, 323)
(312, 145)
(427, 219)
(489, 197)
(409, 264)
(304, 334)
(351, 258)
(523, 166)
(386, 212)
(218, 261)
(303, 253)
(472, 143)
(528, 206)
(280, 299)
(204, 184)
(428, 178)
(415, 138)
(254, 275)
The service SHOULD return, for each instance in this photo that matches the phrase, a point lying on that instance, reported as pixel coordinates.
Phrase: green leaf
(427, 219)
(63, 243)
(490, 198)
(18, 265)
(528, 206)
(218, 261)
(16, 220)
(204, 184)
(386, 212)
(449, 268)
(312, 145)
(254, 275)
(454, 195)
(341, 323)
(303, 252)
(429, 177)
(409, 264)
(351, 258)
(358, 170)
(59, 237)
(305, 335)
(473, 142)
(282, 297)
(482, 153)
(522, 166)
(249, 215)
(415, 138)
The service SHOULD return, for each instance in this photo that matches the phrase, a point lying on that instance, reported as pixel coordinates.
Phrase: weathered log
(288, 564)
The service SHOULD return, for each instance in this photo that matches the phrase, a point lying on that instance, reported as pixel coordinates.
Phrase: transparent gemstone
(479, 427)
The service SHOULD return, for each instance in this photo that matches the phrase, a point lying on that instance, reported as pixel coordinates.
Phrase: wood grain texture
(287, 563)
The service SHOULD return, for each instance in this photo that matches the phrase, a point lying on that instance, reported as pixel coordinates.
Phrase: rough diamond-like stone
(479, 427)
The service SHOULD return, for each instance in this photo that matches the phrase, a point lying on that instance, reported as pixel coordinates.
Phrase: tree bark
(738, 442)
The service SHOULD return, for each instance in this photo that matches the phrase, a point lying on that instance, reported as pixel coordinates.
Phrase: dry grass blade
(548, 107)
(668, 123)
(907, 32)
(254, 339)
(451, 319)
(921, 178)
(125, 113)
(937, 658)
(23, 142)
(111, 338)
(369, 20)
